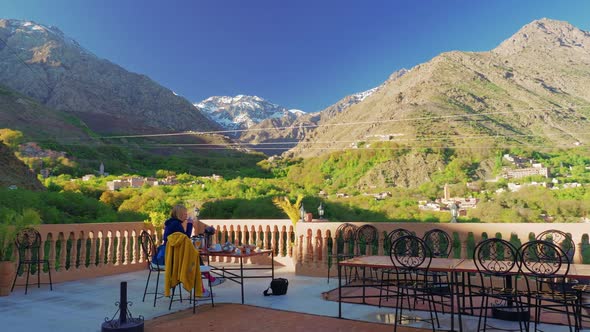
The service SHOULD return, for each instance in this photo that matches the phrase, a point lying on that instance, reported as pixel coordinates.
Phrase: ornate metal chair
(366, 239)
(440, 245)
(541, 261)
(344, 246)
(386, 274)
(497, 263)
(412, 258)
(149, 251)
(28, 243)
(565, 242)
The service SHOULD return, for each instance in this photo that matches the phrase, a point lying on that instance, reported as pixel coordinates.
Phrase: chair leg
(38, 274)
(398, 310)
(211, 293)
(194, 295)
(156, 291)
(49, 272)
(146, 285)
(381, 288)
(16, 275)
(172, 297)
(28, 274)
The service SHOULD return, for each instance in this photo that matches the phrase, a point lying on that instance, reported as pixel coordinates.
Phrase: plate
(214, 250)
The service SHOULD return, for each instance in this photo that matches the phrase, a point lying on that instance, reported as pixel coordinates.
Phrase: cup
(248, 251)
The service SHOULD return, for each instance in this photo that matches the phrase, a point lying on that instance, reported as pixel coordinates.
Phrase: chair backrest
(346, 232)
(495, 257)
(439, 242)
(543, 259)
(366, 235)
(28, 239)
(410, 253)
(397, 233)
(147, 245)
(561, 239)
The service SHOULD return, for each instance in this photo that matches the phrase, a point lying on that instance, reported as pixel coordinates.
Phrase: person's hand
(189, 220)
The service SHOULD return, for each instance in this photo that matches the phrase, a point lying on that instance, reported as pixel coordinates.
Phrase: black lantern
(321, 210)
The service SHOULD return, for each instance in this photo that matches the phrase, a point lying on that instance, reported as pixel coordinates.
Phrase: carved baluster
(245, 236)
(299, 252)
(317, 247)
(253, 235)
(274, 237)
(121, 247)
(42, 252)
(283, 241)
(136, 249)
(127, 250)
(110, 248)
(260, 238)
(101, 249)
(73, 257)
(51, 257)
(325, 248)
(63, 251)
(92, 258)
(82, 262)
(309, 247)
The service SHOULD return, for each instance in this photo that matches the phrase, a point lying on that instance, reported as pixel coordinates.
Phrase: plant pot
(7, 271)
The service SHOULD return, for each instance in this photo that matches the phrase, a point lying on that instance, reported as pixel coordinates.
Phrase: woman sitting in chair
(176, 223)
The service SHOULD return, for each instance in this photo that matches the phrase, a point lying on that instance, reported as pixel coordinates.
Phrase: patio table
(384, 262)
(235, 273)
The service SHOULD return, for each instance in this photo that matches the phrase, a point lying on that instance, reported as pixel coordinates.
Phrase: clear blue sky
(299, 54)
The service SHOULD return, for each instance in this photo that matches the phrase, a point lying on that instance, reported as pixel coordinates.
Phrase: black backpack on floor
(278, 286)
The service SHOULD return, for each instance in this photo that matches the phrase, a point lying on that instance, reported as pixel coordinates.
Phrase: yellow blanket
(182, 264)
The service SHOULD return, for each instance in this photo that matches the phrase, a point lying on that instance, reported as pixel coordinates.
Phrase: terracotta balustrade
(315, 239)
(77, 251)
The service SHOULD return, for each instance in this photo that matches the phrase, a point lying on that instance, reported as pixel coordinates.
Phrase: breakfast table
(235, 273)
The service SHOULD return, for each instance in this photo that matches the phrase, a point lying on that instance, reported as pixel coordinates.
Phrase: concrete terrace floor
(83, 305)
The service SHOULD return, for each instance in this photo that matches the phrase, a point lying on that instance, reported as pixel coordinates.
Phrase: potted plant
(11, 222)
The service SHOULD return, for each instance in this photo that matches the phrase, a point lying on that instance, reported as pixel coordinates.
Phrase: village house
(442, 204)
(88, 177)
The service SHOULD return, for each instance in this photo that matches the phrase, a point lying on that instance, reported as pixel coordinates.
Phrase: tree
(10, 137)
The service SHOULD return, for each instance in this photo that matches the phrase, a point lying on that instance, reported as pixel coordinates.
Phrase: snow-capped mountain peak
(242, 111)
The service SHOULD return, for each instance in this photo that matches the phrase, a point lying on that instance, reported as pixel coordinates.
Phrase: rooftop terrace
(81, 298)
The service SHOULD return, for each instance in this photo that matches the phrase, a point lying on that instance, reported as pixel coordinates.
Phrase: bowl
(229, 250)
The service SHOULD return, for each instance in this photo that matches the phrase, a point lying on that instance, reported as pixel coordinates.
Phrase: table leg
(364, 280)
(339, 291)
(272, 262)
(242, 277)
(455, 293)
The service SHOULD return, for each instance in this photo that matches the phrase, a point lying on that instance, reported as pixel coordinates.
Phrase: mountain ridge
(57, 71)
(512, 95)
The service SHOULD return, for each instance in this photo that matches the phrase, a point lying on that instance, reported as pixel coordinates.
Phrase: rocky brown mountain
(38, 122)
(532, 90)
(41, 62)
